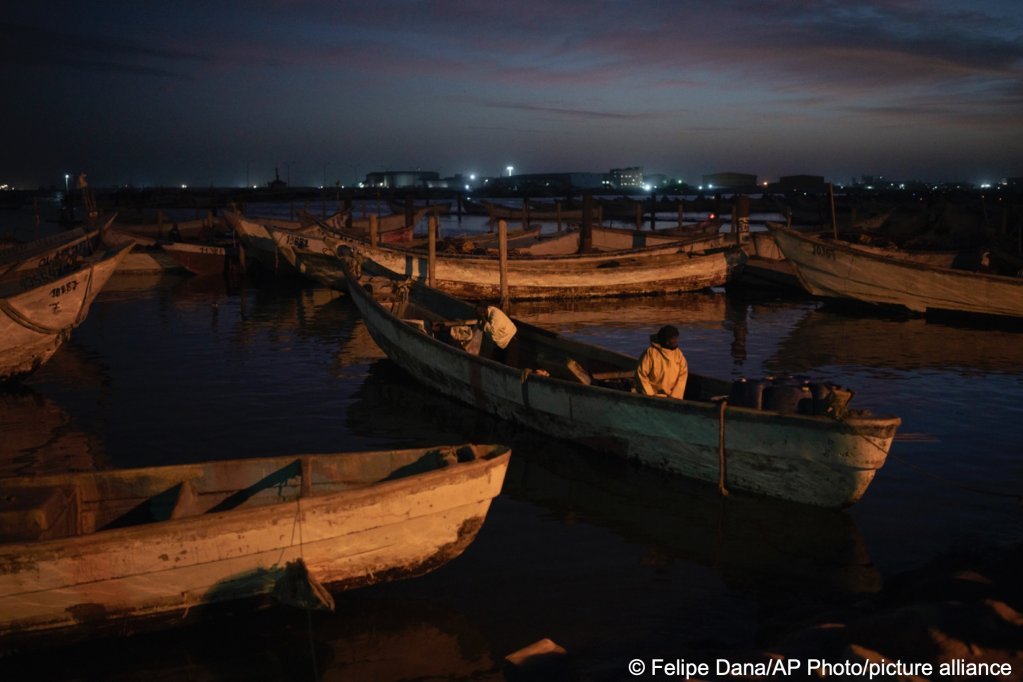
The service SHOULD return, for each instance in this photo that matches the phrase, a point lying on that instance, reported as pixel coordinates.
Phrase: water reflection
(40, 437)
(366, 638)
(831, 336)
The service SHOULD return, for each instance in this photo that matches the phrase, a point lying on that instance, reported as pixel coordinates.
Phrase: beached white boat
(811, 458)
(918, 281)
(40, 307)
(89, 553)
(631, 272)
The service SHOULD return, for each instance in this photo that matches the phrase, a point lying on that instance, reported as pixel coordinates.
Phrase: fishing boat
(40, 307)
(258, 242)
(202, 258)
(48, 251)
(583, 394)
(652, 270)
(920, 282)
(90, 553)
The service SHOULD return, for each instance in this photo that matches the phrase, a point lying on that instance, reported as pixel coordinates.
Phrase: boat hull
(355, 533)
(837, 270)
(40, 307)
(654, 271)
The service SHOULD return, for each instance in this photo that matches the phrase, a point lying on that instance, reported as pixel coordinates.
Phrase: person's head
(667, 336)
(481, 310)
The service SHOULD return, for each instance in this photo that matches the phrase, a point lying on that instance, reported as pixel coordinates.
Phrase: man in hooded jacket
(662, 369)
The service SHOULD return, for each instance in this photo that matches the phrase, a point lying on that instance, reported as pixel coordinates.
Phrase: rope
(721, 447)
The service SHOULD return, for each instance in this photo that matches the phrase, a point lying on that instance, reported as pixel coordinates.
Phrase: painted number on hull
(824, 251)
(64, 288)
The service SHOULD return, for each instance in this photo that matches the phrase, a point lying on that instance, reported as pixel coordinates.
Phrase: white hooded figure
(662, 369)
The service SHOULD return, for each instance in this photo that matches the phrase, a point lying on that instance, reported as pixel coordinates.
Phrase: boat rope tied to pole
(722, 404)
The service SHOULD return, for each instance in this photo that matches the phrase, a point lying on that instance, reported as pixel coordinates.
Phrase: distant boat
(655, 270)
(40, 307)
(202, 258)
(257, 234)
(921, 282)
(93, 553)
(795, 452)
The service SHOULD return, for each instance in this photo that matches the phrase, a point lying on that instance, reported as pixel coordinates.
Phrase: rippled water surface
(607, 559)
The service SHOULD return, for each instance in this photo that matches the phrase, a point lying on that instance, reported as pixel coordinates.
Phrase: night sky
(221, 92)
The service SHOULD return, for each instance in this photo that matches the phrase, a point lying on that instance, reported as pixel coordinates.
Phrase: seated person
(662, 369)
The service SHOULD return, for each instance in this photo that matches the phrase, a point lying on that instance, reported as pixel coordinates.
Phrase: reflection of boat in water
(756, 544)
(839, 337)
(367, 638)
(39, 437)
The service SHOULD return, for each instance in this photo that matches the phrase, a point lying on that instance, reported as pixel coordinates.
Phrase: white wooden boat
(632, 272)
(40, 307)
(201, 258)
(89, 553)
(818, 460)
(919, 282)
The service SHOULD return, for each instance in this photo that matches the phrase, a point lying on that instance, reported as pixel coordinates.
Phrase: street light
(67, 176)
(510, 169)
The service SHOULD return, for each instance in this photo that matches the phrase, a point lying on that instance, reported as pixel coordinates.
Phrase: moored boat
(583, 395)
(96, 552)
(654, 270)
(201, 258)
(40, 307)
(920, 282)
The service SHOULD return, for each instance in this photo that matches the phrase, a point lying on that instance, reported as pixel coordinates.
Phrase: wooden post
(586, 227)
(681, 213)
(432, 262)
(159, 222)
(502, 243)
(831, 199)
(788, 217)
(525, 213)
(740, 213)
(373, 229)
(348, 209)
(410, 209)
(557, 211)
(653, 211)
(639, 215)
(458, 206)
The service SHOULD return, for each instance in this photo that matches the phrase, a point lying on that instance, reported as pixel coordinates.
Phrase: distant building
(730, 181)
(396, 179)
(624, 178)
(550, 183)
(811, 184)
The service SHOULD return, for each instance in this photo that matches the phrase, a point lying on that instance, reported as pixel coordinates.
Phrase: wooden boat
(88, 553)
(49, 251)
(40, 307)
(653, 270)
(257, 234)
(918, 281)
(812, 459)
(202, 259)
(146, 231)
(308, 253)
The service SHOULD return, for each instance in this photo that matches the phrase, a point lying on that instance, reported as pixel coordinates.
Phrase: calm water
(609, 560)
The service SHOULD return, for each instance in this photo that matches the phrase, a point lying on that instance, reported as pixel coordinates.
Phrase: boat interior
(67, 505)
